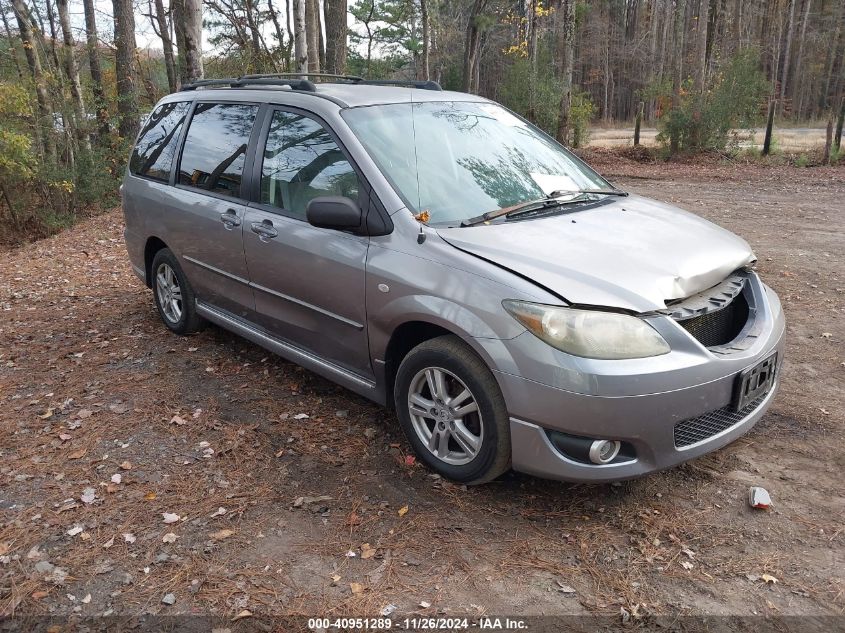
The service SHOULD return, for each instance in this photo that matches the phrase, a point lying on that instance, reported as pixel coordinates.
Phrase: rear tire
(174, 296)
(452, 411)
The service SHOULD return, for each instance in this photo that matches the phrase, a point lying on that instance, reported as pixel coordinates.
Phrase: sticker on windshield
(554, 182)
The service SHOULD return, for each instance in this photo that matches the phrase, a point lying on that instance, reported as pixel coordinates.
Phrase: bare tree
(72, 70)
(567, 38)
(13, 49)
(299, 37)
(158, 18)
(785, 68)
(472, 44)
(336, 32)
(124, 68)
(312, 31)
(678, 71)
(187, 16)
(425, 26)
(45, 115)
(93, 49)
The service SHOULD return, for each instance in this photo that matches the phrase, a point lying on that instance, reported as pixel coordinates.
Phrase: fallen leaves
(119, 408)
(170, 537)
(367, 551)
(78, 453)
(221, 535)
(403, 511)
(356, 587)
(170, 517)
(769, 579)
(178, 420)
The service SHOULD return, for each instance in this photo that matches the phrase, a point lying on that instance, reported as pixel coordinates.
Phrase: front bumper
(624, 402)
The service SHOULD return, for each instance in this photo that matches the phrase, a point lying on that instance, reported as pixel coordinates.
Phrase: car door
(308, 282)
(210, 206)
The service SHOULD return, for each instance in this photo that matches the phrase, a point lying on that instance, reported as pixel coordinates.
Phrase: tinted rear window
(215, 147)
(156, 146)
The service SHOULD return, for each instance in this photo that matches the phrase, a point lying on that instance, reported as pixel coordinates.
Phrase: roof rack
(422, 84)
(297, 81)
(354, 78)
(243, 82)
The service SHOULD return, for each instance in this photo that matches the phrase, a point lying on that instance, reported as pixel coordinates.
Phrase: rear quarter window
(156, 146)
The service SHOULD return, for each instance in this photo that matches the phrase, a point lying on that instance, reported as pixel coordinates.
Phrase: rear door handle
(264, 229)
(230, 219)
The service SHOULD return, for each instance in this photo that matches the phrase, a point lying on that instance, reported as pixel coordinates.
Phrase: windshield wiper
(550, 201)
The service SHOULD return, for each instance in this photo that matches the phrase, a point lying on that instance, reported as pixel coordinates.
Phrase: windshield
(458, 160)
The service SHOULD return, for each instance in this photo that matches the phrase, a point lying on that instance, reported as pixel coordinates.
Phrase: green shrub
(731, 100)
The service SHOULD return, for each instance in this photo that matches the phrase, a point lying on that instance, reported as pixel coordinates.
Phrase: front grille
(705, 426)
(719, 327)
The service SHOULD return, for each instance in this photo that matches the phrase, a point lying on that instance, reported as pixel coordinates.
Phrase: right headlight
(589, 333)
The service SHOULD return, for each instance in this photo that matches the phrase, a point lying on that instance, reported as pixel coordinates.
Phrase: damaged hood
(631, 253)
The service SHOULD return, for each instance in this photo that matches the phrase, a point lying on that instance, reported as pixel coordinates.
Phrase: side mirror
(334, 212)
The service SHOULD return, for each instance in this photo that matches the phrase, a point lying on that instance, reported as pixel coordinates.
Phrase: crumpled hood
(633, 253)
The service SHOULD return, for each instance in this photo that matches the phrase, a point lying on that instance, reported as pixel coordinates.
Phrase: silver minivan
(437, 253)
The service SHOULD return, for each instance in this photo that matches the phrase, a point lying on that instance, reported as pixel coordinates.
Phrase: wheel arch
(152, 246)
(407, 335)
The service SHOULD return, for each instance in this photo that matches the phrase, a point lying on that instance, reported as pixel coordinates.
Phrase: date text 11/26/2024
(417, 624)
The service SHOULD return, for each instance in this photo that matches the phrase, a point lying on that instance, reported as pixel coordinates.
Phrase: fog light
(604, 451)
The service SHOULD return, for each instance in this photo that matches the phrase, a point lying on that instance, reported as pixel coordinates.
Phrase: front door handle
(264, 229)
(230, 219)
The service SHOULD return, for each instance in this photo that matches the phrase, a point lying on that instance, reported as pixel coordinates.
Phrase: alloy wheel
(445, 416)
(169, 293)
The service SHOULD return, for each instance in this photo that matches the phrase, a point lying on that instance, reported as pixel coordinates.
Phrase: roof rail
(354, 78)
(412, 83)
(295, 81)
(207, 83)
(243, 82)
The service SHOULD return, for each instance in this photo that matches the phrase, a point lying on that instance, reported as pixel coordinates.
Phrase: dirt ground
(135, 464)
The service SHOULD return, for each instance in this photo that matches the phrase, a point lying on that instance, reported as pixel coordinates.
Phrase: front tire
(452, 411)
(174, 296)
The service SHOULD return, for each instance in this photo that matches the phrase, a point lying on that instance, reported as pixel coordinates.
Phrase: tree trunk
(840, 121)
(678, 70)
(701, 46)
(336, 36)
(567, 37)
(188, 21)
(161, 27)
(277, 27)
(312, 28)
(54, 36)
(124, 68)
(72, 70)
(770, 123)
(93, 48)
(45, 115)
(471, 45)
(784, 77)
(13, 49)
(425, 70)
(799, 60)
(531, 37)
(254, 37)
(300, 37)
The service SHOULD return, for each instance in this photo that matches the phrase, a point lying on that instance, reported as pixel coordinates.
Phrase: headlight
(589, 333)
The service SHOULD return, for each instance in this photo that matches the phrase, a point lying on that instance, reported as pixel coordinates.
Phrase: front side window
(457, 160)
(302, 162)
(156, 146)
(215, 147)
